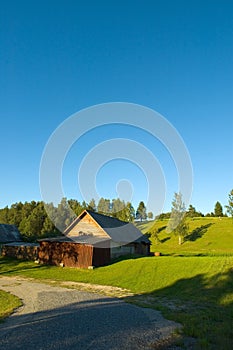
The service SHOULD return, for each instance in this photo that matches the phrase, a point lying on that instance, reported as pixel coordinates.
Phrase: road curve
(58, 318)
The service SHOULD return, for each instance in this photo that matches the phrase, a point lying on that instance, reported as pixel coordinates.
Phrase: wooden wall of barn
(69, 254)
(101, 256)
(72, 254)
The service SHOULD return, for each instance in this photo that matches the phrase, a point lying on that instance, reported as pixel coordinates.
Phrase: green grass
(191, 283)
(207, 236)
(8, 303)
(200, 289)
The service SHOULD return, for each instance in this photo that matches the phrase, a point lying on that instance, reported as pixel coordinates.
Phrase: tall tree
(91, 205)
(218, 209)
(64, 215)
(15, 214)
(150, 215)
(48, 228)
(32, 225)
(177, 223)
(104, 206)
(229, 207)
(117, 208)
(192, 213)
(4, 215)
(141, 211)
(76, 206)
(125, 211)
(130, 212)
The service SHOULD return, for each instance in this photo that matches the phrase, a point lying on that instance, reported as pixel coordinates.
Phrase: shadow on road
(100, 324)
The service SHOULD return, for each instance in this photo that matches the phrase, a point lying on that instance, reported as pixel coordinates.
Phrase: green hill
(207, 236)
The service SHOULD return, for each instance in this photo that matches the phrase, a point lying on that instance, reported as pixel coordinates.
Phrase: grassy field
(196, 291)
(191, 283)
(8, 303)
(207, 236)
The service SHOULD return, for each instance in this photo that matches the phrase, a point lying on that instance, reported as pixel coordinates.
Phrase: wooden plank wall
(69, 254)
(101, 256)
(87, 226)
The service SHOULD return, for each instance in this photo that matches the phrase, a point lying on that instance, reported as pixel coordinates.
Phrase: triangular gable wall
(84, 224)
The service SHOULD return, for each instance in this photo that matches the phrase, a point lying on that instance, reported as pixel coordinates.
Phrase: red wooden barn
(93, 239)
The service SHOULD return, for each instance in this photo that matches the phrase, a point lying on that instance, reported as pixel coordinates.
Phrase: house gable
(92, 224)
(85, 225)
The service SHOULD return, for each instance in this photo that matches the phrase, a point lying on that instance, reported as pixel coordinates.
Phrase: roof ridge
(106, 216)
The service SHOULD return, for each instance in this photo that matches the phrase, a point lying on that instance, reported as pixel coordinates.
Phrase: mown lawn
(196, 291)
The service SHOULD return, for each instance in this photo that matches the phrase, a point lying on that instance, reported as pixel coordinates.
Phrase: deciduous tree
(229, 207)
(177, 223)
(150, 215)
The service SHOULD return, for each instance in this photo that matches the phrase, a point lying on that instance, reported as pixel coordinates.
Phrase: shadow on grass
(12, 265)
(160, 229)
(204, 306)
(197, 233)
(165, 239)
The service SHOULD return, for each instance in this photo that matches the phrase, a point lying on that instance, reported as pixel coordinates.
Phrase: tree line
(33, 221)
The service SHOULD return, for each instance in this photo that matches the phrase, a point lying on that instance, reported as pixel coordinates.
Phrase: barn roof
(118, 231)
(85, 239)
(9, 233)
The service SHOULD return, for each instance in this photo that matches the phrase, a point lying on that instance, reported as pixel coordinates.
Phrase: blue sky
(58, 57)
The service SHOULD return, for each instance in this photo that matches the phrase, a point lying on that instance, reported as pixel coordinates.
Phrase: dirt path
(54, 317)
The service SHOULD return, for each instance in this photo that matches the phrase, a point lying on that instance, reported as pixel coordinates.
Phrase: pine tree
(141, 211)
(91, 205)
(218, 210)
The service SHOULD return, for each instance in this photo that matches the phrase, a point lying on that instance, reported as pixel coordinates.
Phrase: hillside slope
(206, 236)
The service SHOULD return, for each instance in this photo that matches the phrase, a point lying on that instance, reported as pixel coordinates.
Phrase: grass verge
(8, 303)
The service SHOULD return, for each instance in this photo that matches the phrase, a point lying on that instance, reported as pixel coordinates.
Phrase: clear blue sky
(58, 57)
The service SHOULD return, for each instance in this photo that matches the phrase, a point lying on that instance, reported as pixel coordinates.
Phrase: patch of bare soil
(95, 288)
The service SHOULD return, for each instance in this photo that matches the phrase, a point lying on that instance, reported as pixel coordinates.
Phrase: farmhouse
(93, 239)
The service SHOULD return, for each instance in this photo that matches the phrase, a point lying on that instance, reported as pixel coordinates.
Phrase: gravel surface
(60, 318)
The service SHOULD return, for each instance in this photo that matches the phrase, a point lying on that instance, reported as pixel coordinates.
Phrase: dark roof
(85, 239)
(119, 231)
(106, 221)
(55, 239)
(9, 233)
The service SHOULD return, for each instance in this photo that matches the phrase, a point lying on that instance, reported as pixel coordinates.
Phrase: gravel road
(60, 318)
